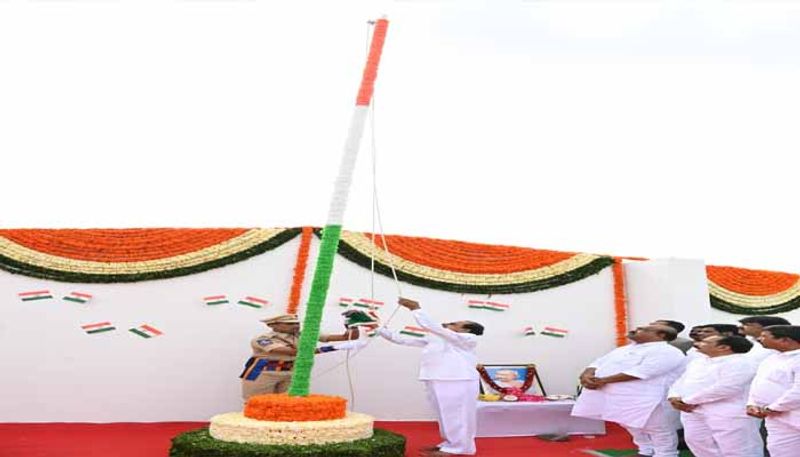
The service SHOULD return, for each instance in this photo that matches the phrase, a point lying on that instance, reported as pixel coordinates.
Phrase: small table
(500, 418)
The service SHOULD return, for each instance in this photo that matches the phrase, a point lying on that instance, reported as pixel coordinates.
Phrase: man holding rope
(448, 369)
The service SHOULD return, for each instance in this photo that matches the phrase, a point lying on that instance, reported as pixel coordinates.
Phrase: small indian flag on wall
(495, 306)
(98, 327)
(490, 305)
(528, 331)
(344, 302)
(253, 302)
(367, 303)
(146, 331)
(418, 332)
(553, 331)
(35, 295)
(78, 297)
(213, 300)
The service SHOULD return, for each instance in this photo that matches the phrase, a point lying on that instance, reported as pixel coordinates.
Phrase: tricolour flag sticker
(529, 331)
(344, 302)
(418, 332)
(495, 306)
(253, 302)
(216, 300)
(35, 295)
(146, 331)
(556, 332)
(367, 303)
(476, 304)
(78, 297)
(99, 327)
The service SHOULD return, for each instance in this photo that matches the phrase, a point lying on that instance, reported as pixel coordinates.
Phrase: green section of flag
(139, 332)
(76, 300)
(304, 363)
(99, 330)
(218, 302)
(557, 335)
(247, 303)
(41, 297)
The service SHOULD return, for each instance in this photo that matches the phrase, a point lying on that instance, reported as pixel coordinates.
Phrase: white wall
(53, 372)
(675, 289)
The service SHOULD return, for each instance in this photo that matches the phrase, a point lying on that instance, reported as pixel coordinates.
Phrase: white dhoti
(657, 437)
(455, 403)
(783, 440)
(721, 436)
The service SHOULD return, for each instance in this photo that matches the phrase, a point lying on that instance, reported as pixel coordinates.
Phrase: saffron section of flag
(253, 302)
(78, 297)
(344, 302)
(35, 295)
(146, 331)
(216, 300)
(556, 332)
(368, 303)
(410, 330)
(98, 327)
(529, 331)
(495, 306)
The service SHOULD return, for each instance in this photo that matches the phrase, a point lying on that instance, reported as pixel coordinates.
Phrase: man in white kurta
(775, 391)
(448, 369)
(629, 386)
(712, 397)
(751, 327)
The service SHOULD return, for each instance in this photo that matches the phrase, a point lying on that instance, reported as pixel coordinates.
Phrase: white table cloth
(499, 418)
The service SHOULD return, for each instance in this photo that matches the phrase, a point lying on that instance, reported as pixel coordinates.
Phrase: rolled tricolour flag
(553, 331)
(529, 331)
(368, 303)
(410, 330)
(253, 302)
(35, 295)
(78, 297)
(345, 302)
(146, 331)
(98, 327)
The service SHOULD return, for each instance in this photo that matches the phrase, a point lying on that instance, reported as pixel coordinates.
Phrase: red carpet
(153, 440)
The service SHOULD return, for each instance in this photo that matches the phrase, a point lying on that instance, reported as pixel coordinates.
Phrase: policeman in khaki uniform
(270, 368)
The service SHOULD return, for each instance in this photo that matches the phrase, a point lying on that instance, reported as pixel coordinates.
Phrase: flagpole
(301, 379)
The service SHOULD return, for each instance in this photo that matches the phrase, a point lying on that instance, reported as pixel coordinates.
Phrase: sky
(637, 128)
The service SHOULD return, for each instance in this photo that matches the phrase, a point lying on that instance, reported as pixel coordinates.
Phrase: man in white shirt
(775, 391)
(448, 369)
(704, 331)
(751, 327)
(712, 397)
(629, 386)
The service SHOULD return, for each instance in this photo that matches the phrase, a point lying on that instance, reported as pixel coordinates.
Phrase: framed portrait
(523, 378)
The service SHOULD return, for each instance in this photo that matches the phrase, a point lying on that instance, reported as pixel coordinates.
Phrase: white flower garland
(235, 427)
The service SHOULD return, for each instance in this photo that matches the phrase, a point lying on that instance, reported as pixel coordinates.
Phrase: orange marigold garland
(283, 408)
(620, 305)
(745, 291)
(300, 270)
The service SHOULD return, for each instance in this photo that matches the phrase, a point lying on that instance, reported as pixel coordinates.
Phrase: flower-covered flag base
(283, 425)
(200, 443)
